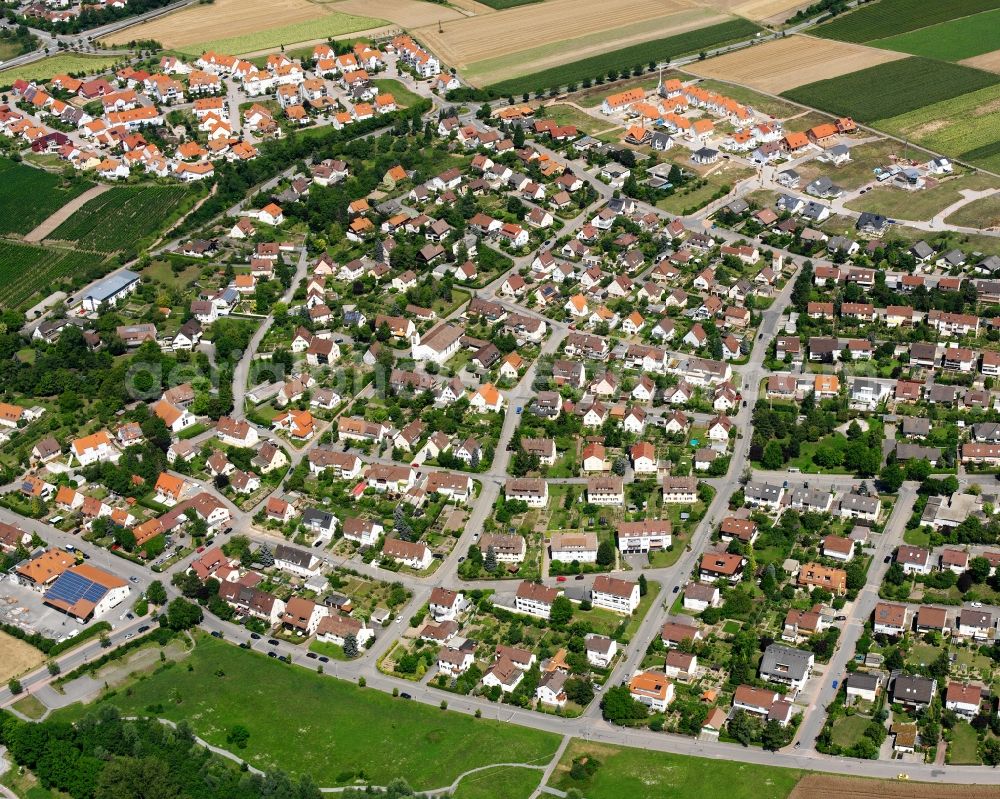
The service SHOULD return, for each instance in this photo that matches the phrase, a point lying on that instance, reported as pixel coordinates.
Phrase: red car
(560, 579)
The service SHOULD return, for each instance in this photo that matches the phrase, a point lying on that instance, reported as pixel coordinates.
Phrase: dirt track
(794, 61)
(56, 219)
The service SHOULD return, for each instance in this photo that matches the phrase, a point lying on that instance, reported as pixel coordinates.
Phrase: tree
(643, 585)
(183, 615)
(979, 569)
(562, 611)
(619, 466)
(156, 593)
(891, 477)
(605, 553)
(579, 690)
(351, 645)
(773, 736)
(238, 736)
(773, 457)
(991, 752)
(490, 561)
(14, 686)
(618, 706)
(744, 727)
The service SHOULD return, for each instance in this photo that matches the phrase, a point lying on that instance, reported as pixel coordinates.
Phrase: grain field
(794, 61)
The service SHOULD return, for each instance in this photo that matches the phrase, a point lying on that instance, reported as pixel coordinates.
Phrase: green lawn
(652, 589)
(402, 95)
(847, 730)
(982, 213)
(808, 448)
(917, 205)
(563, 114)
(29, 706)
(338, 729)
(964, 746)
(640, 774)
(505, 781)
(917, 538)
(55, 65)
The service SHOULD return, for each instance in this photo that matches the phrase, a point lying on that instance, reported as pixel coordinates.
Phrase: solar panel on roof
(71, 587)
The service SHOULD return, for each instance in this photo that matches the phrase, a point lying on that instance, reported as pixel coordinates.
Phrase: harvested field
(767, 10)
(592, 67)
(543, 25)
(988, 61)
(819, 786)
(793, 61)
(199, 25)
(408, 13)
(16, 657)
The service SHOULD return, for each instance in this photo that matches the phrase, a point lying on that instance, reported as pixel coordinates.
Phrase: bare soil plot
(407, 13)
(988, 61)
(17, 657)
(544, 25)
(819, 786)
(199, 23)
(793, 61)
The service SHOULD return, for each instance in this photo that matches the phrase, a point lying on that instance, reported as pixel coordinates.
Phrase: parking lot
(22, 607)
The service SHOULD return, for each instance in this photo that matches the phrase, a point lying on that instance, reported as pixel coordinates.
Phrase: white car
(977, 604)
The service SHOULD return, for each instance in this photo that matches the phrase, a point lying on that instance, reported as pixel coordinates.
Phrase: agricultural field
(643, 774)
(822, 786)
(121, 217)
(916, 82)
(493, 47)
(783, 64)
(249, 26)
(988, 61)
(26, 270)
(349, 729)
(500, 5)
(48, 193)
(954, 40)
(959, 127)
(984, 213)
(891, 17)
(773, 11)
(603, 58)
(55, 65)
(407, 13)
(16, 657)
